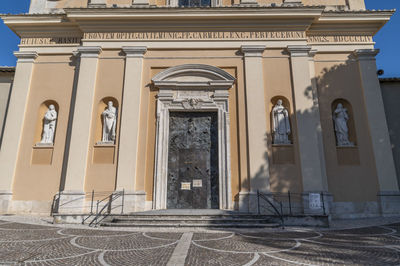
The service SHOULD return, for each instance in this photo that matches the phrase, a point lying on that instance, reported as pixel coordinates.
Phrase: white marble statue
(340, 118)
(49, 125)
(109, 123)
(280, 124)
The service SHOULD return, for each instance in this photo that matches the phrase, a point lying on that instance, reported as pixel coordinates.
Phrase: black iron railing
(287, 203)
(104, 206)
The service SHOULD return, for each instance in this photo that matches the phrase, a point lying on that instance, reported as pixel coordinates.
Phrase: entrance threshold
(188, 212)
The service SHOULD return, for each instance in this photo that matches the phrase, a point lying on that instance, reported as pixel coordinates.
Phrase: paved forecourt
(36, 244)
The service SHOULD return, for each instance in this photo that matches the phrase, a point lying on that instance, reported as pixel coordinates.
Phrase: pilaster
(130, 116)
(97, 3)
(14, 125)
(308, 124)
(140, 2)
(389, 189)
(292, 3)
(72, 198)
(256, 120)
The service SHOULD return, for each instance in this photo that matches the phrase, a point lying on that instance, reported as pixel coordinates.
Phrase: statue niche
(280, 124)
(109, 119)
(49, 126)
(340, 119)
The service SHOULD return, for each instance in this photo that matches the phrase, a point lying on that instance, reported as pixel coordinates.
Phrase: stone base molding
(5, 200)
(129, 202)
(315, 203)
(389, 203)
(248, 202)
(354, 210)
(72, 202)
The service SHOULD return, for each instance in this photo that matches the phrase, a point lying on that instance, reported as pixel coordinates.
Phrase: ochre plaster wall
(338, 77)
(53, 79)
(158, 60)
(102, 159)
(285, 174)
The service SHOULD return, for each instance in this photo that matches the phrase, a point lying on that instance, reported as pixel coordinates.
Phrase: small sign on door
(185, 185)
(197, 183)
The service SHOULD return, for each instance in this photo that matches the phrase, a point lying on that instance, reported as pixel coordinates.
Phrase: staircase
(190, 219)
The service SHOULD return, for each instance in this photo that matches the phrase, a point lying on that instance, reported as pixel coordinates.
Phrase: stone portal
(193, 174)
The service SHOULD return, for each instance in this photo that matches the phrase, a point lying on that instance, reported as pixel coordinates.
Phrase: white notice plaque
(197, 183)
(314, 200)
(185, 185)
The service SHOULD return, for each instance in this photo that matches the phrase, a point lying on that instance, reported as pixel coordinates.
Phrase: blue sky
(388, 39)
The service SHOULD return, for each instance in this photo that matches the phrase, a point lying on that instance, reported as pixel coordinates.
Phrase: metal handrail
(112, 197)
(277, 212)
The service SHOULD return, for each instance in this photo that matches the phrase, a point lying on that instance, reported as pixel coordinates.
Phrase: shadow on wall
(348, 179)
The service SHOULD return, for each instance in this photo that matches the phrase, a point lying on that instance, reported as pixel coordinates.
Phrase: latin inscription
(50, 40)
(198, 36)
(339, 39)
(203, 35)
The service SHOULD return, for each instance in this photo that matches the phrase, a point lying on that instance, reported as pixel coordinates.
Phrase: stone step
(187, 220)
(192, 225)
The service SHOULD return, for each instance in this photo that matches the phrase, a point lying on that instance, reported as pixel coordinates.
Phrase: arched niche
(102, 105)
(350, 123)
(43, 107)
(286, 104)
(282, 153)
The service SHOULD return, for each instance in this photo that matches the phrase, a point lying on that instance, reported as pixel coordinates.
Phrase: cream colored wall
(338, 77)
(102, 161)
(53, 79)
(157, 60)
(285, 174)
(5, 87)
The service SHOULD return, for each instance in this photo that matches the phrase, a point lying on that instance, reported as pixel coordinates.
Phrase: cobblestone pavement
(30, 244)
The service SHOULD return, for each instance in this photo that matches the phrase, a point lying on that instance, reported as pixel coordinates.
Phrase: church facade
(197, 105)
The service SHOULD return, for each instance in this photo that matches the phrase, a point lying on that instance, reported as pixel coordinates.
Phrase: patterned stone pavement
(30, 244)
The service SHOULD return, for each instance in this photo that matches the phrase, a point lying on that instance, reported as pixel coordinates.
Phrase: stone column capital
(134, 51)
(252, 50)
(89, 51)
(26, 56)
(366, 54)
(300, 50)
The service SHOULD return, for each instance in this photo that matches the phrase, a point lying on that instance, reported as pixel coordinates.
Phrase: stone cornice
(89, 51)
(252, 50)
(310, 19)
(299, 50)
(26, 56)
(366, 54)
(134, 51)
